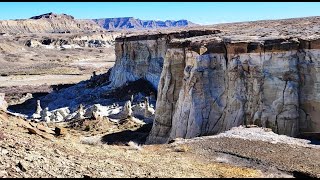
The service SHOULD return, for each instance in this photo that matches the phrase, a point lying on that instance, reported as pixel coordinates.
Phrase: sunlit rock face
(142, 56)
(3, 102)
(209, 84)
(138, 59)
(49, 23)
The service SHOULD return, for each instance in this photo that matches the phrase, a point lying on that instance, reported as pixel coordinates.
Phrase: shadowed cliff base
(132, 88)
(23, 99)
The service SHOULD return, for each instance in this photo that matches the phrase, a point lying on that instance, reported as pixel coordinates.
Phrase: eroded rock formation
(37, 114)
(141, 56)
(211, 83)
(224, 83)
(45, 115)
(80, 112)
(148, 112)
(48, 23)
(3, 102)
(72, 41)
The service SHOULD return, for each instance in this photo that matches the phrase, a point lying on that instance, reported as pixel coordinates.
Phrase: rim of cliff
(177, 33)
(306, 28)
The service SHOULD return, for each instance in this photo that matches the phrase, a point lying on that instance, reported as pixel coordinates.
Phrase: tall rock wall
(209, 84)
(138, 59)
(221, 84)
(141, 56)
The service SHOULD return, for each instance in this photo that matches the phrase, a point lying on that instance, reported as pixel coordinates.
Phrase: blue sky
(198, 12)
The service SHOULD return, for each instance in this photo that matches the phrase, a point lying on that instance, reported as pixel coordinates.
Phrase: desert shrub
(181, 148)
(1, 136)
(93, 140)
(87, 128)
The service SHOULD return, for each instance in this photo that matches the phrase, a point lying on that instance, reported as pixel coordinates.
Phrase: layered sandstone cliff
(48, 23)
(221, 83)
(211, 80)
(211, 83)
(51, 41)
(141, 56)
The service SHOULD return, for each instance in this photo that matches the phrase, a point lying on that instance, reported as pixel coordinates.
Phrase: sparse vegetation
(181, 148)
(87, 128)
(1, 136)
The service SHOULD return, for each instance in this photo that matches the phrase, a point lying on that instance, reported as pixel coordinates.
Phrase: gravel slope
(261, 146)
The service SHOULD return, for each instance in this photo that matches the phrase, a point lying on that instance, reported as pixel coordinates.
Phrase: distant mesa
(52, 15)
(123, 22)
(57, 23)
(49, 23)
(133, 23)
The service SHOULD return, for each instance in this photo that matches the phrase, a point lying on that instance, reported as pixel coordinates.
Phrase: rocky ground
(37, 62)
(101, 148)
(58, 54)
(82, 152)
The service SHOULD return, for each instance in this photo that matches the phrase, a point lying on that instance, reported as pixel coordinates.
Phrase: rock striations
(210, 79)
(141, 56)
(63, 23)
(210, 82)
(48, 23)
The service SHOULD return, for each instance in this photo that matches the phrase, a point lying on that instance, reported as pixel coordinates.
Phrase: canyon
(210, 79)
(213, 81)
(241, 94)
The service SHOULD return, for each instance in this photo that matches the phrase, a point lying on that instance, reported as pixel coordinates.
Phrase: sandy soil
(29, 155)
(22, 80)
(86, 153)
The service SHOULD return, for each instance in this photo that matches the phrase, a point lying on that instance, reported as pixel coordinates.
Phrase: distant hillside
(133, 23)
(63, 23)
(48, 23)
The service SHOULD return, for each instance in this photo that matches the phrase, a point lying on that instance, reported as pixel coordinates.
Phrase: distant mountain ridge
(63, 23)
(133, 23)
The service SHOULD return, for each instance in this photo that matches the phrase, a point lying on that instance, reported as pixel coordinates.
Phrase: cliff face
(63, 23)
(210, 83)
(138, 59)
(209, 87)
(73, 40)
(142, 56)
(48, 23)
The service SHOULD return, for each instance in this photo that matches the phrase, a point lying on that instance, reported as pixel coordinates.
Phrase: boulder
(46, 115)
(37, 114)
(3, 102)
(60, 131)
(149, 111)
(80, 113)
(44, 129)
(126, 112)
(45, 135)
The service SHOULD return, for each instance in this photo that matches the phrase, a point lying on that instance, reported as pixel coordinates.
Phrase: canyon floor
(40, 62)
(99, 152)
